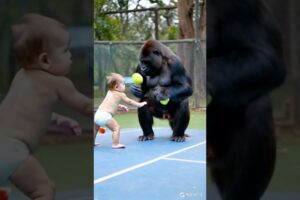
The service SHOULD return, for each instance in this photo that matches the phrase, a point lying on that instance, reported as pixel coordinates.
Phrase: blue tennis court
(159, 169)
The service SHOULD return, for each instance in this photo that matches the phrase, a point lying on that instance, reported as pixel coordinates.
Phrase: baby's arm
(73, 98)
(132, 102)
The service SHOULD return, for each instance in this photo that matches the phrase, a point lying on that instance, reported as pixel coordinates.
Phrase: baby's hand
(123, 108)
(69, 125)
(142, 104)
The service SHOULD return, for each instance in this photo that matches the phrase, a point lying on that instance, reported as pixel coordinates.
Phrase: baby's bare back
(26, 110)
(111, 102)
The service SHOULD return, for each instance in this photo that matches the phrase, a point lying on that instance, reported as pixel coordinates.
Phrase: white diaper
(102, 117)
(12, 153)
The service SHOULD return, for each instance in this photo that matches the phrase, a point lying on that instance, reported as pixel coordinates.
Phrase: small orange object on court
(101, 130)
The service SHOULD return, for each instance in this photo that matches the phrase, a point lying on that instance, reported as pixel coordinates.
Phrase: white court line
(184, 160)
(99, 180)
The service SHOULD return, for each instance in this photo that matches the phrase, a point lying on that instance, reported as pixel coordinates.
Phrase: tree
(113, 21)
(192, 63)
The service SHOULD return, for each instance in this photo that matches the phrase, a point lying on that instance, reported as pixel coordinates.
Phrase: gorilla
(244, 64)
(165, 79)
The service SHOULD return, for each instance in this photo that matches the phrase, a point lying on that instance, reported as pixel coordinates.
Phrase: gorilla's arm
(136, 91)
(181, 84)
(248, 63)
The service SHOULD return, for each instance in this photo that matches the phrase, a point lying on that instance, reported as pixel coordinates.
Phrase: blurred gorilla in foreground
(244, 64)
(165, 80)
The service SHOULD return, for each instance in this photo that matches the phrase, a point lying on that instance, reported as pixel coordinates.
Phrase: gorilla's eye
(155, 52)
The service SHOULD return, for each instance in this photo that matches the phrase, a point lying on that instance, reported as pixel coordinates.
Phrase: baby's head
(115, 82)
(42, 43)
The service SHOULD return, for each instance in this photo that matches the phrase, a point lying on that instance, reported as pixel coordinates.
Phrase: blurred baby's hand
(142, 104)
(69, 125)
(123, 108)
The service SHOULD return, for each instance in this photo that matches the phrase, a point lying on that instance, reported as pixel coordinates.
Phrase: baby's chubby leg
(113, 125)
(31, 178)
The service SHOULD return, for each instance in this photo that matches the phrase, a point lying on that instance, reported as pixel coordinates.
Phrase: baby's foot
(118, 146)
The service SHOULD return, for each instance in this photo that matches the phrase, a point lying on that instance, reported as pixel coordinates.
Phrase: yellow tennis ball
(137, 78)
(164, 102)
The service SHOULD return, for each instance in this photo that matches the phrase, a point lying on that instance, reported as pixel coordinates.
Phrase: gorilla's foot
(146, 137)
(178, 138)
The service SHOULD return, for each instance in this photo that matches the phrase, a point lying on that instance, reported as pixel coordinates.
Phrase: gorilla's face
(151, 59)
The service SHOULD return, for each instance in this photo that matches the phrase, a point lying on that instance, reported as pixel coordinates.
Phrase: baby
(41, 47)
(110, 104)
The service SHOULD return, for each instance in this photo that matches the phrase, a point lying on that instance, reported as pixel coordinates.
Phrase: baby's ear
(44, 61)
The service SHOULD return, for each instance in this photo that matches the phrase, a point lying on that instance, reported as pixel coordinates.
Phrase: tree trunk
(192, 54)
(186, 30)
(185, 14)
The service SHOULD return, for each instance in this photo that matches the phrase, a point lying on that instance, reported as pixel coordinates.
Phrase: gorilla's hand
(136, 90)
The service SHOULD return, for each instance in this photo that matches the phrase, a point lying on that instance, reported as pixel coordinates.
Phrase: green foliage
(169, 33)
(98, 4)
(107, 28)
(159, 2)
(123, 3)
(131, 26)
(172, 32)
